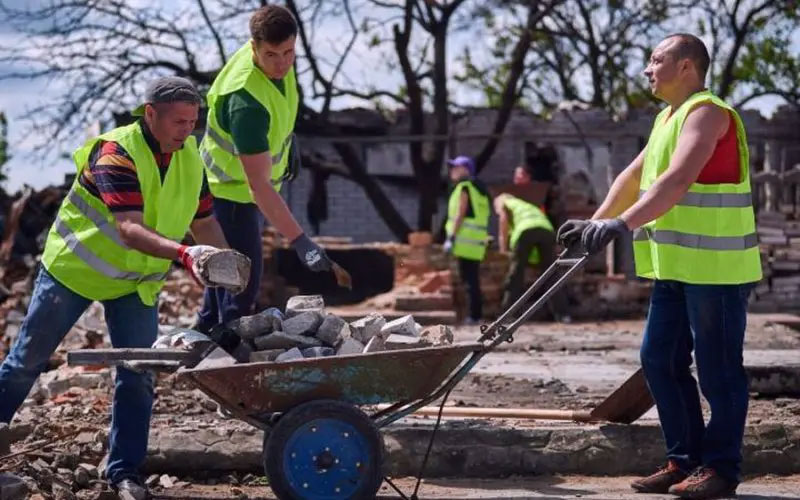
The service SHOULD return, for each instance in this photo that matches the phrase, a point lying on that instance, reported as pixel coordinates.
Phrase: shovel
(343, 278)
(627, 403)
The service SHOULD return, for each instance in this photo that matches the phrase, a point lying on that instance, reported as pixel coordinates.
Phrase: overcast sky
(18, 96)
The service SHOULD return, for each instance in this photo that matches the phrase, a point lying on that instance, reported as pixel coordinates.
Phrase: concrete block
(367, 327)
(225, 268)
(218, 358)
(268, 355)
(283, 340)
(12, 487)
(250, 327)
(303, 303)
(318, 352)
(333, 330)
(350, 346)
(375, 344)
(305, 323)
(401, 326)
(438, 335)
(397, 341)
(290, 355)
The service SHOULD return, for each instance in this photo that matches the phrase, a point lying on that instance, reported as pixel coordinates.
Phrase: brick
(283, 340)
(333, 330)
(318, 352)
(305, 323)
(367, 327)
(290, 355)
(404, 325)
(226, 268)
(266, 355)
(303, 303)
(375, 344)
(394, 342)
(438, 335)
(423, 302)
(250, 327)
(350, 346)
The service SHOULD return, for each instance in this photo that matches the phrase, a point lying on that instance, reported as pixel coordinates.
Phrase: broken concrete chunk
(401, 326)
(225, 268)
(438, 335)
(218, 358)
(350, 346)
(397, 341)
(283, 340)
(367, 327)
(375, 344)
(333, 330)
(305, 323)
(304, 303)
(268, 355)
(318, 352)
(290, 355)
(12, 487)
(242, 352)
(250, 327)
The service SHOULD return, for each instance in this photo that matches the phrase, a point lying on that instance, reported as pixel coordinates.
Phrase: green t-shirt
(242, 116)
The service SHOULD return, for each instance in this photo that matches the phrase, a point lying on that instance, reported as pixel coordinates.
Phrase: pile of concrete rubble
(305, 330)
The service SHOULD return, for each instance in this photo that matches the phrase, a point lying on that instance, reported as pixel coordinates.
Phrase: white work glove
(448, 244)
(190, 255)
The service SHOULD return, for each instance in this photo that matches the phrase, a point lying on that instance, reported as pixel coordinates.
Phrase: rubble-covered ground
(60, 434)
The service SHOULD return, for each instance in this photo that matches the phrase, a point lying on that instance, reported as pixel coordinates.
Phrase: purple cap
(463, 161)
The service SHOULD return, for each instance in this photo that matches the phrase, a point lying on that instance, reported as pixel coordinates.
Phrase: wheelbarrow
(319, 442)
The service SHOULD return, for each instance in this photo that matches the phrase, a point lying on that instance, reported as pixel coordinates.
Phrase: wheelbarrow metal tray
(361, 379)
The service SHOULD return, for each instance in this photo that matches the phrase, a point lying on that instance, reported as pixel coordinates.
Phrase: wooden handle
(522, 413)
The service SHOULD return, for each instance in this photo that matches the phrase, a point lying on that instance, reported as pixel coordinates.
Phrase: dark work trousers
(470, 271)
(545, 241)
(242, 224)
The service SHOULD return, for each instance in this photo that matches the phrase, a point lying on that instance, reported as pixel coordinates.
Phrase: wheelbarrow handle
(571, 258)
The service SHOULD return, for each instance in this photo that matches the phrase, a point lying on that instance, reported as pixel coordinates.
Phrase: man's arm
(207, 231)
(140, 237)
(702, 129)
(502, 216)
(624, 190)
(258, 169)
(463, 206)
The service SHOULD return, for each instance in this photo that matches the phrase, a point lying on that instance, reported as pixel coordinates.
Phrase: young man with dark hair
(252, 107)
(687, 199)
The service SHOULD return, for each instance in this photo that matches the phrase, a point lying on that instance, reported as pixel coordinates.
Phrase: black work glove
(311, 254)
(599, 233)
(571, 231)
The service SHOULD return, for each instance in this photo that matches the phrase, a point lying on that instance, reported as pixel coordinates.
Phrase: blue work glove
(599, 233)
(311, 254)
(570, 232)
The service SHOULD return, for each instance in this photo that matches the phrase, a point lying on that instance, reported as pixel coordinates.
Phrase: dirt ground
(65, 421)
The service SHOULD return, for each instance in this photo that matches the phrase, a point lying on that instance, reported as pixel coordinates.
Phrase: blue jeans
(710, 319)
(53, 311)
(242, 224)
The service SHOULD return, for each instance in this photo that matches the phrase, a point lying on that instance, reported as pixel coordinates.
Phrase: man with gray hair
(139, 189)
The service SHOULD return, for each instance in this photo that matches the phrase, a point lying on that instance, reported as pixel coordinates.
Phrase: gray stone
(367, 327)
(226, 268)
(333, 330)
(304, 303)
(438, 335)
(401, 326)
(283, 340)
(318, 352)
(242, 352)
(305, 323)
(375, 344)
(290, 355)
(5, 439)
(267, 355)
(81, 477)
(218, 358)
(350, 346)
(250, 327)
(397, 341)
(12, 487)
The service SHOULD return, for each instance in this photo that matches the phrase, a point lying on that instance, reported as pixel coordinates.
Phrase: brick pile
(779, 241)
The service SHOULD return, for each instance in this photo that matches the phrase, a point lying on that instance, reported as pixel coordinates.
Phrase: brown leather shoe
(704, 484)
(660, 481)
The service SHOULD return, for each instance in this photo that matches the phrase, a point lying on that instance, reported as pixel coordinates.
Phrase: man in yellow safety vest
(139, 189)
(687, 199)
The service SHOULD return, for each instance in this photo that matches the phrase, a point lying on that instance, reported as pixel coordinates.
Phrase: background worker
(528, 233)
(252, 106)
(687, 196)
(138, 190)
(467, 229)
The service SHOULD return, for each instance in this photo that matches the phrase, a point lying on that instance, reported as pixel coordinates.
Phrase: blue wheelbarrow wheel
(324, 449)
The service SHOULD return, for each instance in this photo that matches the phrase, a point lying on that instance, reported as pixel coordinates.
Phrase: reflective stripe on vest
(713, 200)
(470, 225)
(701, 241)
(95, 262)
(210, 164)
(93, 215)
(221, 141)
